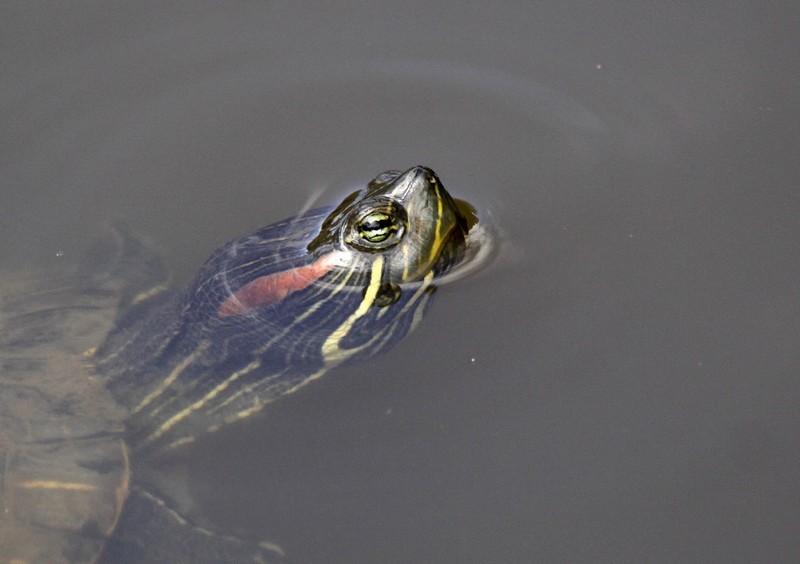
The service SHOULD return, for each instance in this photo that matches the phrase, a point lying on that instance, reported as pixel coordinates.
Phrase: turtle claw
(151, 531)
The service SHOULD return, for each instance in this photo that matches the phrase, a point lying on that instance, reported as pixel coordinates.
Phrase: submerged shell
(66, 469)
(66, 473)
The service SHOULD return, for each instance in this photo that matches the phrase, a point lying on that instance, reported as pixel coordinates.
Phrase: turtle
(109, 367)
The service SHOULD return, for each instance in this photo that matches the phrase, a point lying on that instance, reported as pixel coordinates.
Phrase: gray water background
(619, 385)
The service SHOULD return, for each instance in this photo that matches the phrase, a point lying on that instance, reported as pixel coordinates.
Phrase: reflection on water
(588, 397)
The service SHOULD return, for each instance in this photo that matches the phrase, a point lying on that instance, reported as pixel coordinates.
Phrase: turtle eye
(377, 227)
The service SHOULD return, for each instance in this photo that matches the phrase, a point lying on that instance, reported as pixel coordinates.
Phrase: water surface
(619, 385)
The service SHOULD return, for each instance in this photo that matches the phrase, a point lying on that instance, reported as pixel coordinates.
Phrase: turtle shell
(66, 471)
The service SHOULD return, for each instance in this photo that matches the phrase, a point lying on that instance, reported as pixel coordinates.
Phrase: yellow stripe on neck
(331, 352)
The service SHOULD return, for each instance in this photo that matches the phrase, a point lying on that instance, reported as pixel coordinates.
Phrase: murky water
(619, 385)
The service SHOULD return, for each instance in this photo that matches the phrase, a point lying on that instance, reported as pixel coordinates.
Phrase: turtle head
(404, 222)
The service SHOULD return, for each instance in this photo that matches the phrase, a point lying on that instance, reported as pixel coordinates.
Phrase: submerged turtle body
(266, 314)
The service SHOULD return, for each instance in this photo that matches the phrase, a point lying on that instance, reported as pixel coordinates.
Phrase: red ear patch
(274, 288)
